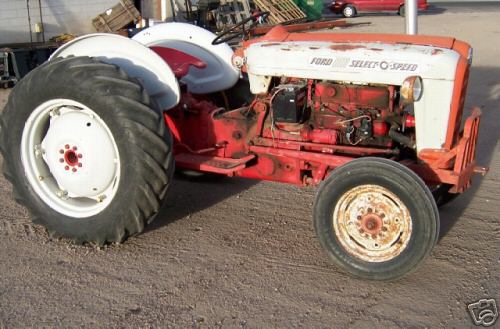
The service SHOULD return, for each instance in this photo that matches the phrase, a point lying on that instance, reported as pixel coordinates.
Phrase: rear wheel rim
(70, 158)
(372, 224)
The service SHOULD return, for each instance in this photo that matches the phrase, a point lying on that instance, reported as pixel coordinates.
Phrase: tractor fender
(219, 73)
(137, 60)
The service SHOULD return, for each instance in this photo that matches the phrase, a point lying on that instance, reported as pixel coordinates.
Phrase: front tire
(349, 11)
(401, 11)
(376, 219)
(86, 150)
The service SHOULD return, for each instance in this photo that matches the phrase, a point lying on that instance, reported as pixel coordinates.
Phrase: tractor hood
(374, 63)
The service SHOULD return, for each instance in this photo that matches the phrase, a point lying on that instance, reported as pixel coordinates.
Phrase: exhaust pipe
(411, 16)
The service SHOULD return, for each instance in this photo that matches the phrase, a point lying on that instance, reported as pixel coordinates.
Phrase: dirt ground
(239, 253)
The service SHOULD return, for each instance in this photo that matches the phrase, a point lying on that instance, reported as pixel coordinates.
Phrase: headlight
(411, 89)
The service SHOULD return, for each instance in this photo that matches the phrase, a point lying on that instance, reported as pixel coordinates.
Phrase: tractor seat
(178, 61)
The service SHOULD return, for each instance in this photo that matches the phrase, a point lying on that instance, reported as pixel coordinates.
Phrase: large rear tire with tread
(86, 150)
(376, 219)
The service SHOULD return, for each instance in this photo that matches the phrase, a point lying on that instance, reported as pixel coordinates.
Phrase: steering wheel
(238, 29)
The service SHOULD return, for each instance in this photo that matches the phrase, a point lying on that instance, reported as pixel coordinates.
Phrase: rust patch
(346, 47)
(436, 51)
(270, 44)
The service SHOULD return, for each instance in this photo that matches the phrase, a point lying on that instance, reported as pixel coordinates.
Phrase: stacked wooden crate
(281, 11)
(117, 17)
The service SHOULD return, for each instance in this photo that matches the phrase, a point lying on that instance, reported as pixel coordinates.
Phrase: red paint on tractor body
(333, 123)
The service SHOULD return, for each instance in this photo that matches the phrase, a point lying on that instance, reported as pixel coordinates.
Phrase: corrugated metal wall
(59, 16)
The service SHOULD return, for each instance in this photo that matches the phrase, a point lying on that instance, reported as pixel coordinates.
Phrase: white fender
(134, 58)
(219, 74)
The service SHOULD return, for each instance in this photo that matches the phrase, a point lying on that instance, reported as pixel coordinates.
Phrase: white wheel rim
(348, 11)
(372, 223)
(70, 158)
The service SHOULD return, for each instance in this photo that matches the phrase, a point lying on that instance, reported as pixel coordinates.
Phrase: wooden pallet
(280, 11)
(117, 17)
(231, 12)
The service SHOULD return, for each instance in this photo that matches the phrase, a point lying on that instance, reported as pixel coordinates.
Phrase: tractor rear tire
(349, 11)
(376, 219)
(86, 150)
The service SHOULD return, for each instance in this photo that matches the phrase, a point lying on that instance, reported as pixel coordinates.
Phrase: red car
(349, 8)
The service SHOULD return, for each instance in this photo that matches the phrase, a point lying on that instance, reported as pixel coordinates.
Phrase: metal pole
(29, 21)
(41, 20)
(411, 16)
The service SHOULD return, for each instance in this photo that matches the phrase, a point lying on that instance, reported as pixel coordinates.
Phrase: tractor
(91, 137)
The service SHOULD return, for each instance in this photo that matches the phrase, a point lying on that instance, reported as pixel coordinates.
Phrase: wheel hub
(70, 157)
(71, 134)
(372, 223)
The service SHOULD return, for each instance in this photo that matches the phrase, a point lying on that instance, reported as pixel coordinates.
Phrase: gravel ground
(238, 253)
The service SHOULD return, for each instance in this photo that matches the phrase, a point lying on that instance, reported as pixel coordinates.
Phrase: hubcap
(372, 223)
(348, 12)
(70, 158)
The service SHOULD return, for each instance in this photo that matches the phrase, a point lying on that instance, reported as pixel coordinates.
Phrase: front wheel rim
(348, 12)
(372, 223)
(70, 158)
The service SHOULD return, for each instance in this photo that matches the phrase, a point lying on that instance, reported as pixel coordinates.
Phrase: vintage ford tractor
(90, 138)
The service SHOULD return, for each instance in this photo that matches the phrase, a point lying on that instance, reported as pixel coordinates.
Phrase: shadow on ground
(188, 195)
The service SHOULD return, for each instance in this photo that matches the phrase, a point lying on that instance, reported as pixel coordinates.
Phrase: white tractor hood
(376, 63)
(365, 63)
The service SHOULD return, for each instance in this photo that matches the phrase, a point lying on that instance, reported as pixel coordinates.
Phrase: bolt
(361, 231)
(61, 160)
(66, 146)
(66, 167)
(382, 215)
(374, 236)
(73, 170)
(61, 151)
(54, 112)
(80, 156)
(61, 193)
(40, 178)
(80, 165)
(359, 217)
(75, 148)
(101, 198)
(369, 210)
(384, 228)
(38, 150)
